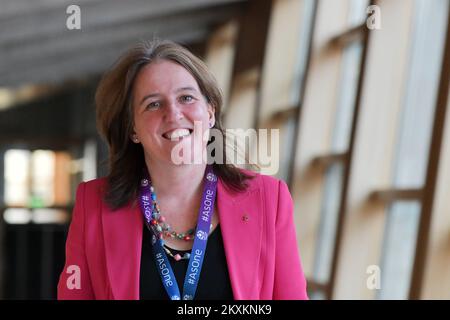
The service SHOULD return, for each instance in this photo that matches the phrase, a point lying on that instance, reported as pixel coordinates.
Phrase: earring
(135, 139)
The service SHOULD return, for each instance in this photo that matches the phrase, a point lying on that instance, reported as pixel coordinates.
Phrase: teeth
(177, 133)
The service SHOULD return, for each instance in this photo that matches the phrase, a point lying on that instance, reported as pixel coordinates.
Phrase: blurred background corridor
(359, 90)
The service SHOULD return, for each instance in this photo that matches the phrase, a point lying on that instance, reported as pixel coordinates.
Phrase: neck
(180, 182)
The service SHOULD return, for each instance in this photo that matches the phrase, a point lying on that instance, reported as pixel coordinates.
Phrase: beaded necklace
(163, 229)
(177, 256)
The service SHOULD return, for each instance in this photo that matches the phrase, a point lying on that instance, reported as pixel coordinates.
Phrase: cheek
(198, 113)
(145, 124)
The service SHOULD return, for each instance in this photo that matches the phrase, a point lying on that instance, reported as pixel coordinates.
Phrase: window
(334, 163)
(414, 136)
(37, 186)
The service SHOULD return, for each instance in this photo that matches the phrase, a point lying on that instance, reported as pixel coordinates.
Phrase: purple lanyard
(201, 238)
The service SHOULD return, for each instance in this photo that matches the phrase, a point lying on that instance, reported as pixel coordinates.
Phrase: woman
(155, 228)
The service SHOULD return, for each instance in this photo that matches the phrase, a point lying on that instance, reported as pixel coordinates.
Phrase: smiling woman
(133, 232)
(151, 83)
(169, 112)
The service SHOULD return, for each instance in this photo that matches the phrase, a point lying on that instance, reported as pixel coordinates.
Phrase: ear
(211, 113)
(134, 137)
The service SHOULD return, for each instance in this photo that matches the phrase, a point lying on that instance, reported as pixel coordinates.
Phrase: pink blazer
(261, 251)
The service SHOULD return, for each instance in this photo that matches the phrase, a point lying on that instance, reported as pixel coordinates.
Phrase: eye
(187, 98)
(153, 105)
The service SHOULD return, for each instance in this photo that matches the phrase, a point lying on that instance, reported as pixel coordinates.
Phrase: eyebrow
(151, 95)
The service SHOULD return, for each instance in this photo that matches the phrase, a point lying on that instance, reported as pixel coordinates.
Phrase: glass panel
(328, 222)
(17, 177)
(346, 100)
(306, 27)
(43, 175)
(350, 67)
(399, 250)
(286, 142)
(429, 27)
(288, 131)
(358, 13)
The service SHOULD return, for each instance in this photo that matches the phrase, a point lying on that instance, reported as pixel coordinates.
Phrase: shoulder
(272, 193)
(269, 185)
(263, 181)
(94, 184)
(92, 189)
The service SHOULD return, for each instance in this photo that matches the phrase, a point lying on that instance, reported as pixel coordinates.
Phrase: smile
(177, 133)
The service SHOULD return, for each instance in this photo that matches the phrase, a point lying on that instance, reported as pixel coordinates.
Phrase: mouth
(177, 134)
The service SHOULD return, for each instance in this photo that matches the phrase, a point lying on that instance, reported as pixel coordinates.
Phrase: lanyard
(201, 238)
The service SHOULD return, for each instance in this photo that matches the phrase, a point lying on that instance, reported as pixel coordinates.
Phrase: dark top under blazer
(214, 282)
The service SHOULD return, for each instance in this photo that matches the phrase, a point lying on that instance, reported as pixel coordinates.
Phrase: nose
(173, 112)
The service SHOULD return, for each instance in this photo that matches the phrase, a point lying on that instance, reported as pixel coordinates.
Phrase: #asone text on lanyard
(201, 238)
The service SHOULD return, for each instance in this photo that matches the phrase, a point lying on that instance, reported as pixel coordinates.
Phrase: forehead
(162, 76)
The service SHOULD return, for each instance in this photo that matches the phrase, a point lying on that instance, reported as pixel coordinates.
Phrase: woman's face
(167, 102)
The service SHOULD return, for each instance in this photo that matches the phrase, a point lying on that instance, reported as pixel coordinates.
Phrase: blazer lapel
(240, 216)
(122, 230)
